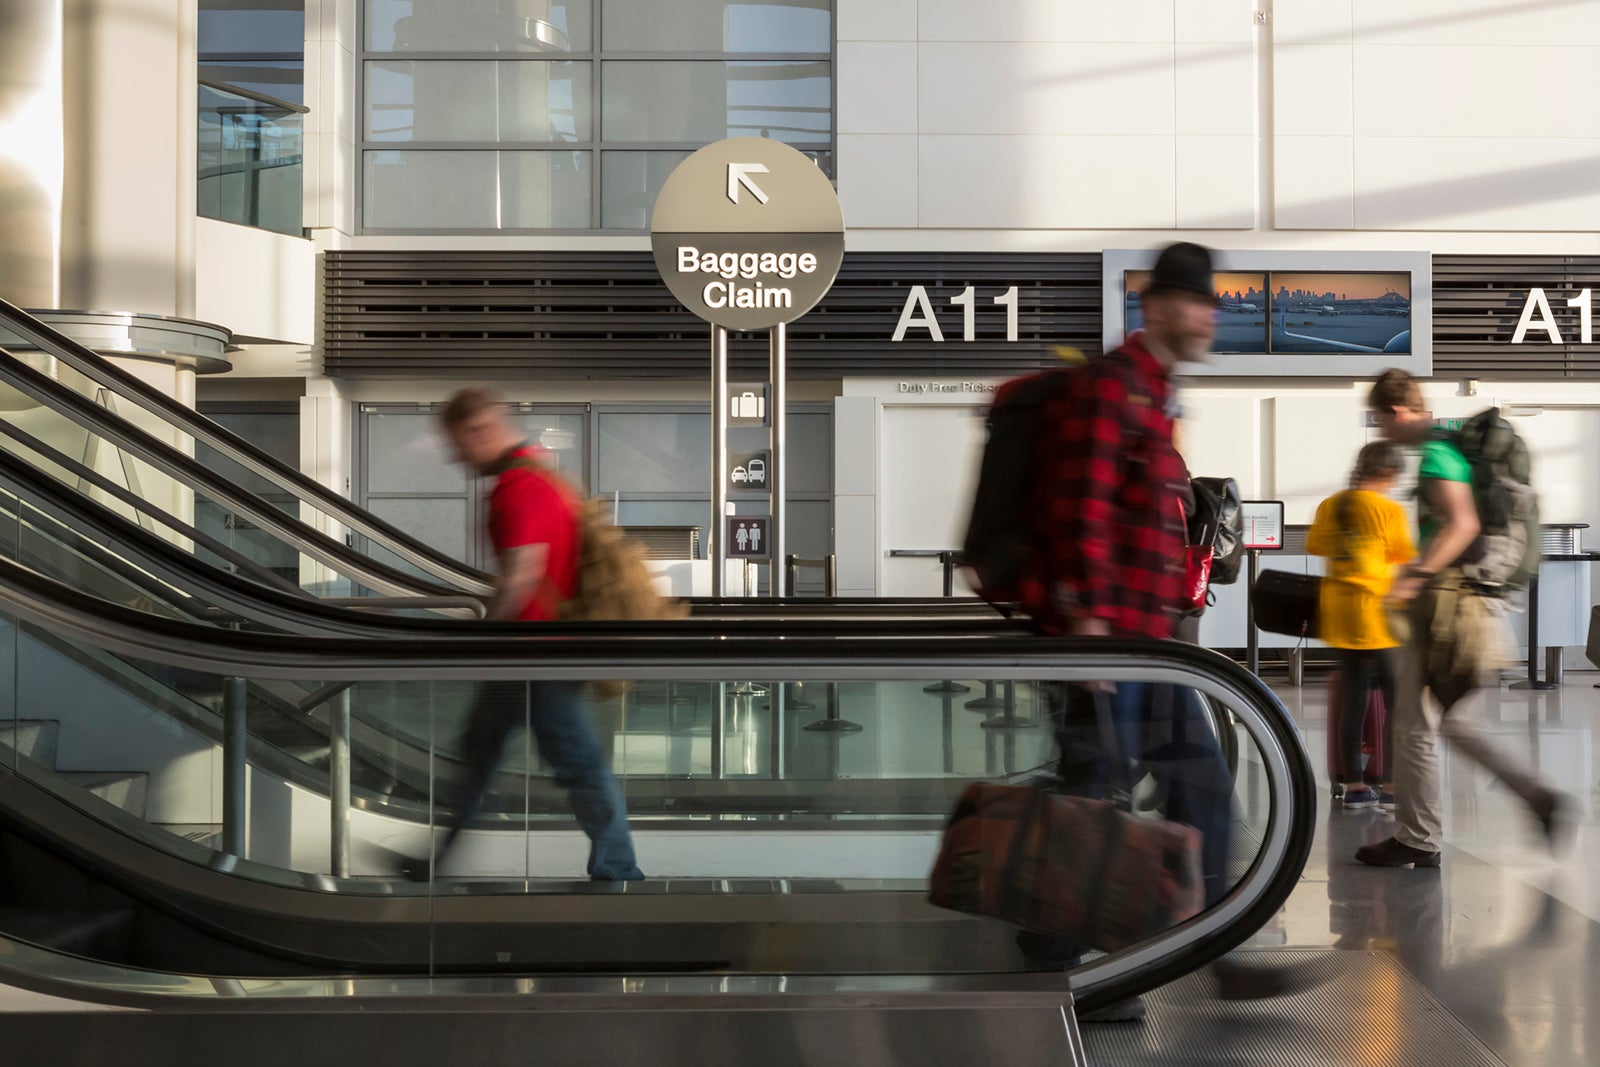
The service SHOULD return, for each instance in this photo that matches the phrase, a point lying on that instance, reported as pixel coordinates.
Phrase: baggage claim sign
(747, 233)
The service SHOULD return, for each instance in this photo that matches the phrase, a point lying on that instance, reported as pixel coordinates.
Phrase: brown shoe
(1393, 853)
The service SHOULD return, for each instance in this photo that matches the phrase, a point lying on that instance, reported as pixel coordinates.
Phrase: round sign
(747, 233)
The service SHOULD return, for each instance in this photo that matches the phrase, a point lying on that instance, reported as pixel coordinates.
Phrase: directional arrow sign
(739, 174)
(742, 255)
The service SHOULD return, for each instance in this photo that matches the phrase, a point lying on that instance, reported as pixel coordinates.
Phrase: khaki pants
(1418, 727)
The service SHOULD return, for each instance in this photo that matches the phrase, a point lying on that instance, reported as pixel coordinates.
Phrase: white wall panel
(1038, 88)
(1475, 22)
(257, 283)
(1216, 182)
(1315, 438)
(1044, 182)
(1221, 437)
(1216, 88)
(1312, 21)
(1313, 90)
(1215, 20)
(878, 180)
(1314, 183)
(1472, 183)
(1471, 91)
(876, 20)
(1046, 20)
(877, 87)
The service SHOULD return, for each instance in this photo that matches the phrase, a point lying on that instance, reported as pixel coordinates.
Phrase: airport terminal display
(1303, 311)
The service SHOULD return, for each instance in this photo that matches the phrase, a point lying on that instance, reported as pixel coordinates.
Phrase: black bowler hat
(1184, 267)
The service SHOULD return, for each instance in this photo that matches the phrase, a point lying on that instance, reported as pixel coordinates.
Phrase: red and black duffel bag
(1067, 866)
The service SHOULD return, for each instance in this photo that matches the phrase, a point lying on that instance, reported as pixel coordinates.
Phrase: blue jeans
(558, 717)
(1163, 731)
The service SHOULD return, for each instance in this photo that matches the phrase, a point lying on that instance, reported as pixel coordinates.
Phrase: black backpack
(1000, 530)
(1218, 523)
(1505, 555)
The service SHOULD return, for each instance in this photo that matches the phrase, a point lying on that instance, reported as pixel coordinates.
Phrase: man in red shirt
(533, 524)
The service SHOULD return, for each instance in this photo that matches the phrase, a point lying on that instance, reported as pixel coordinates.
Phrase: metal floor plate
(1369, 1011)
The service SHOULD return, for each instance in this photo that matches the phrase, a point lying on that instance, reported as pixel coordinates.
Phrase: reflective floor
(1505, 937)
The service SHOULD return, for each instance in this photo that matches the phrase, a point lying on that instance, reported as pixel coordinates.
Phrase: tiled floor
(1507, 937)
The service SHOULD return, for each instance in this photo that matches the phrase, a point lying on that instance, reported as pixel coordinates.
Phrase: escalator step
(128, 790)
(34, 739)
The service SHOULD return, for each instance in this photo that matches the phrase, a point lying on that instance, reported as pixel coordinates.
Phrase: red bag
(1067, 866)
(1197, 560)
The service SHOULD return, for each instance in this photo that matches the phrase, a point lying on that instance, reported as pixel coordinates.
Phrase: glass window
(439, 522)
(520, 75)
(654, 452)
(703, 101)
(406, 453)
(668, 513)
(239, 26)
(718, 26)
(476, 190)
(460, 100)
(809, 467)
(629, 184)
(478, 26)
(564, 437)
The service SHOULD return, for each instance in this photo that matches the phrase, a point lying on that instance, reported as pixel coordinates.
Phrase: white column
(129, 187)
(30, 151)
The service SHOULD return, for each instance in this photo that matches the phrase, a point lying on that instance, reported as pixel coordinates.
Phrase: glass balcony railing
(251, 148)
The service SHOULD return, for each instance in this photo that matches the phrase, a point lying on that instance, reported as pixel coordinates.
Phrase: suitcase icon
(748, 405)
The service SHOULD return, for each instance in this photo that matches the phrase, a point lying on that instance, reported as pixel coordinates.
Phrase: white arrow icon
(739, 174)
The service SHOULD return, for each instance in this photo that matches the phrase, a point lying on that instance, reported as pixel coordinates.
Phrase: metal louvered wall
(575, 315)
(1477, 301)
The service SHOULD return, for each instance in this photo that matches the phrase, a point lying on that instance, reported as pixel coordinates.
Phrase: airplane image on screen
(1400, 342)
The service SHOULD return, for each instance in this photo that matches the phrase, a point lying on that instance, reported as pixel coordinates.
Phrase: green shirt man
(1441, 461)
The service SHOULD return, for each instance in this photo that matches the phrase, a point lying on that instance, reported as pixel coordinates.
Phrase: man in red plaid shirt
(1107, 561)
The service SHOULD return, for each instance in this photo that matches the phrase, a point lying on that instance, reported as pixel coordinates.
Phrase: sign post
(1263, 532)
(748, 235)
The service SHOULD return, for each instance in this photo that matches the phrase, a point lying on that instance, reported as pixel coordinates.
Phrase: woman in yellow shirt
(1363, 534)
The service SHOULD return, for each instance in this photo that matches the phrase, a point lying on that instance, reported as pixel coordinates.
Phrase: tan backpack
(613, 584)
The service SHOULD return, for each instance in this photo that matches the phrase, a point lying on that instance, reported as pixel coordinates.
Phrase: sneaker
(1393, 853)
(1386, 802)
(1359, 798)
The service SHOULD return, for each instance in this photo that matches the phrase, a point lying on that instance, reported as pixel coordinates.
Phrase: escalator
(210, 774)
(158, 901)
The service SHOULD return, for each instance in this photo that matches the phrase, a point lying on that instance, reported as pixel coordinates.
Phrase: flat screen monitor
(1241, 309)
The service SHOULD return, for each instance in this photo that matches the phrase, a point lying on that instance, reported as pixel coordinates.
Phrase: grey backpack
(1505, 555)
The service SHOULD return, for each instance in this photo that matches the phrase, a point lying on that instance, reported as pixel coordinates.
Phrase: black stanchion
(1533, 681)
(947, 560)
(832, 723)
(1010, 720)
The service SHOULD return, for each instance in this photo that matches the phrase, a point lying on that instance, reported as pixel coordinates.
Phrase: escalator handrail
(256, 460)
(183, 468)
(293, 611)
(13, 467)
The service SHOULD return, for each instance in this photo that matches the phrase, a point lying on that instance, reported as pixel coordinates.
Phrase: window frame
(477, 488)
(595, 148)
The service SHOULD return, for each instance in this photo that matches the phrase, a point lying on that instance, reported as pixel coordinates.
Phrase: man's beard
(1195, 349)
